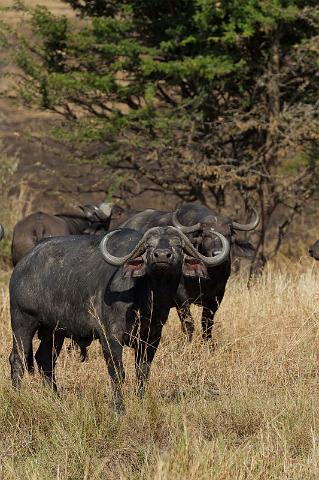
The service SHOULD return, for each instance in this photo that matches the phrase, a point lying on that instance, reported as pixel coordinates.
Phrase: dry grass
(12, 209)
(249, 410)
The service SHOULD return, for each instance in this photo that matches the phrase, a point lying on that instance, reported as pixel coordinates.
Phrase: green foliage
(181, 50)
(53, 32)
(226, 90)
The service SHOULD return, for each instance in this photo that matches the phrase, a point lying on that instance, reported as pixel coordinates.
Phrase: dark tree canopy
(210, 100)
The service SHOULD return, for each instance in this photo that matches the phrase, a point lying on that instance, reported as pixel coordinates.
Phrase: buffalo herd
(112, 274)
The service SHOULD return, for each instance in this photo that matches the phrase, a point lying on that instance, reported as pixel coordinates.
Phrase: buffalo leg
(47, 355)
(83, 348)
(187, 321)
(209, 310)
(24, 328)
(144, 355)
(113, 352)
(83, 353)
(78, 345)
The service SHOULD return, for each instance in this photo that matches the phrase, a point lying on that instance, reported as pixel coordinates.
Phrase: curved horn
(100, 213)
(210, 261)
(1, 232)
(184, 228)
(118, 261)
(97, 210)
(106, 209)
(188, 247)
(248, 226)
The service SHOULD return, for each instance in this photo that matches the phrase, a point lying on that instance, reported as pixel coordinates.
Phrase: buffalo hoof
(119, 410)
(83, 354)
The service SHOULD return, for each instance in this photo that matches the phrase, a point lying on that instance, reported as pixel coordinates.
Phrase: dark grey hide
(206, 292)
(31, 229)
(314, 250)
(65, 286)
(1, 232)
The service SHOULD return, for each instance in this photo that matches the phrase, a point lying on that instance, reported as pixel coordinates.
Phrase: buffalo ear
(192, 267)
(242, 248)
(134, 268)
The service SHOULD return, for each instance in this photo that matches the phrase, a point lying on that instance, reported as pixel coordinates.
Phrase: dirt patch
(48, 167)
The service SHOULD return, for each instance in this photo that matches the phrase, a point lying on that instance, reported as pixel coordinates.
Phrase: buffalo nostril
(162, 255)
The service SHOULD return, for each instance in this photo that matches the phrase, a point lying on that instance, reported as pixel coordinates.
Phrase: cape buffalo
(1, 231)
(200, 224)
(314, 250)
(76, 287)
(28, 231)
(89, 220)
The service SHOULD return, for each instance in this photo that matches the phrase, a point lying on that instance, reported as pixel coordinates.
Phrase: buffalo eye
(175, 243)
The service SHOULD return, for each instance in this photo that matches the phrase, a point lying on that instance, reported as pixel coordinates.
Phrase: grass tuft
(247, 409)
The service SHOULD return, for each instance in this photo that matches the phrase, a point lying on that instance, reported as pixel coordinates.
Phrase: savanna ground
(247, 410)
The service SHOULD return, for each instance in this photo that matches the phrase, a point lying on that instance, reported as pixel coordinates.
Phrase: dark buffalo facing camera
(89, 219)
(118, 290)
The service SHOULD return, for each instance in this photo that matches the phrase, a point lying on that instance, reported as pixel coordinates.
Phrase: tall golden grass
(247, 410)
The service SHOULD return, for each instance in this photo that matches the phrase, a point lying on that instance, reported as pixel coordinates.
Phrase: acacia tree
(214, 101)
